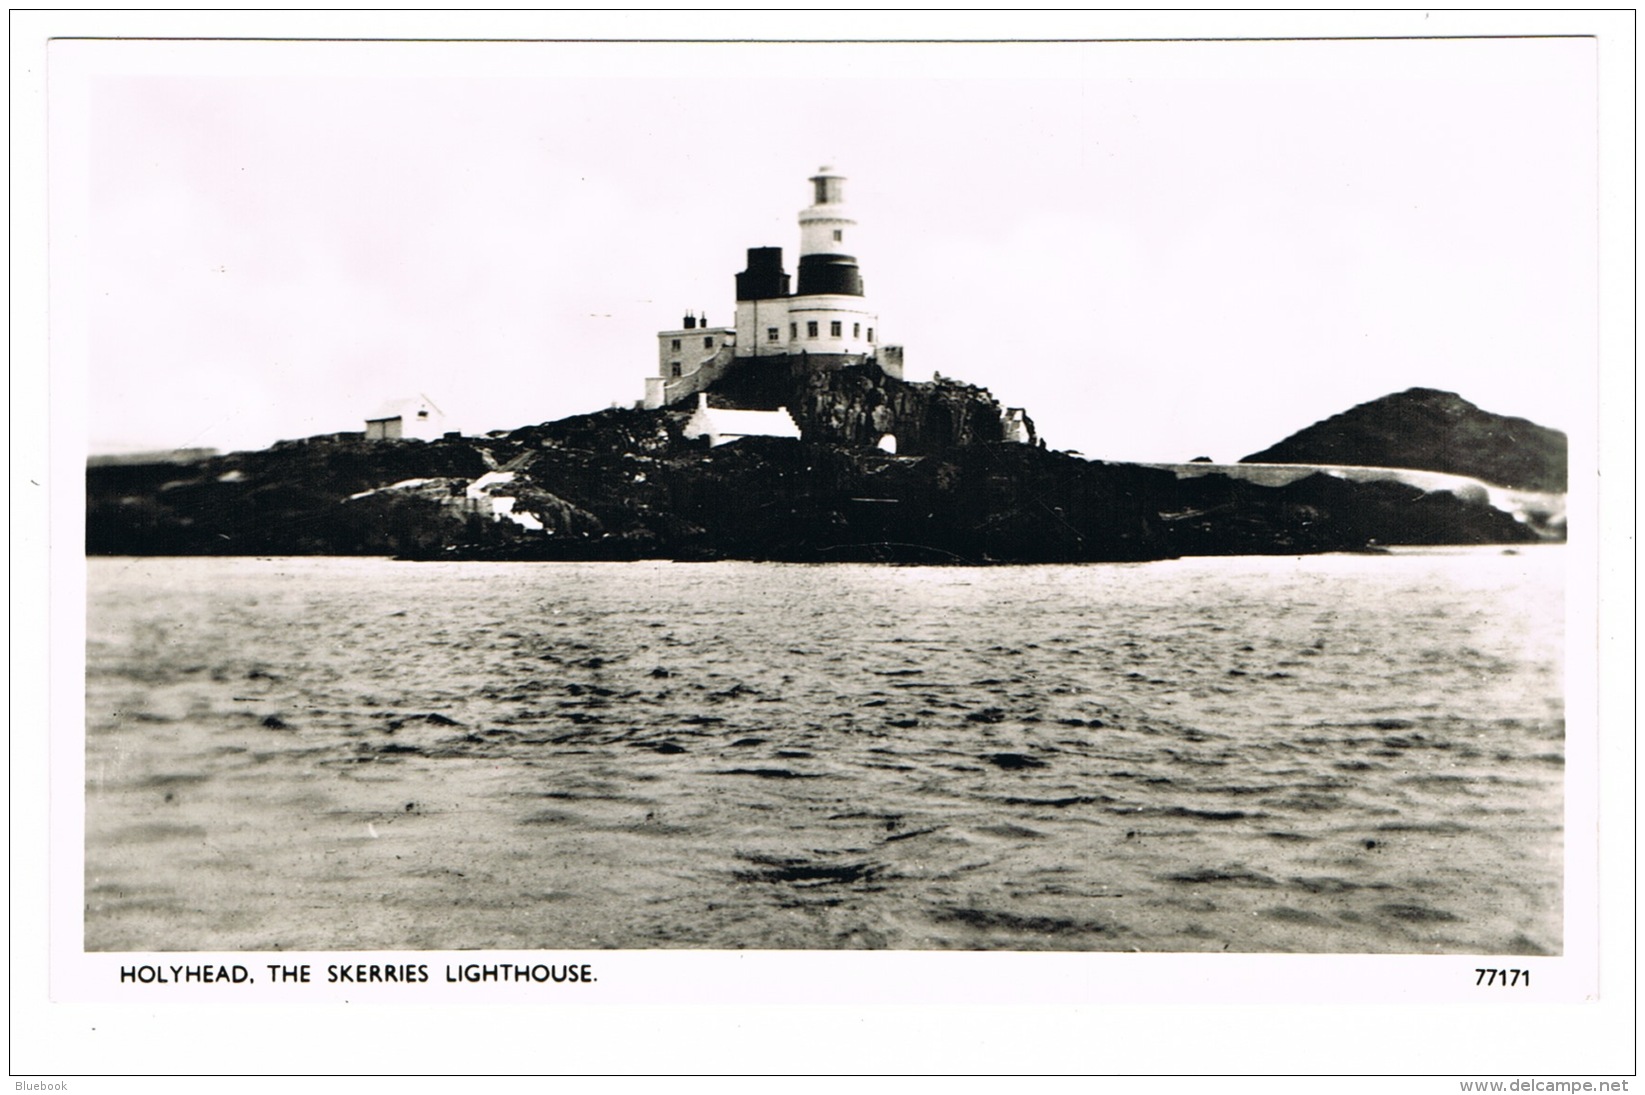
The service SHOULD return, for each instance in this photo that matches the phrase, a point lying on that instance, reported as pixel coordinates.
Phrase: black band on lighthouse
(829, 274)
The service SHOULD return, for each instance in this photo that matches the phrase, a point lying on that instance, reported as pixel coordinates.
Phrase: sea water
(1336, 753)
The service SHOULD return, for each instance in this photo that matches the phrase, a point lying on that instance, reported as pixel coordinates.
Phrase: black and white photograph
(591, 496)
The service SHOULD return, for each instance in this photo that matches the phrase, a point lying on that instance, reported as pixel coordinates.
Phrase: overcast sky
(1160, 250)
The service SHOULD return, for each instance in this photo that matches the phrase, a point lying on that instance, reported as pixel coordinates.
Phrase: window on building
(793, 330)
(856, 330)
(834, 329)
(673, 368)
(811, 329)
(676, 345)
(839, 234)
(771, 334)
(871, 334)
(708, 344)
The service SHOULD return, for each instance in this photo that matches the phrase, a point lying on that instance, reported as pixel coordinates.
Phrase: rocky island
(628, 484)
(791, 434)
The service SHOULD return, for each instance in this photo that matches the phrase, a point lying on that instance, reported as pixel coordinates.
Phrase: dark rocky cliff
(1433, 431)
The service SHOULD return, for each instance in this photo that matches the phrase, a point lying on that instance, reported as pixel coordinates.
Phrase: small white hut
(418, 418)
(721, 424)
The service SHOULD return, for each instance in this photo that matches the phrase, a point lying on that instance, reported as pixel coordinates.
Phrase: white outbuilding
(722, 424)
(416, 418)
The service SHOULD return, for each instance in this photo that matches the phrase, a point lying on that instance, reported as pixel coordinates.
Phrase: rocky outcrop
(1223, 515)
(291, 499)
(804, 501)
(1434, 431)
(858, 405)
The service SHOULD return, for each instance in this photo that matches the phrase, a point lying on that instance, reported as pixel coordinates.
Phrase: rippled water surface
(1326, 754)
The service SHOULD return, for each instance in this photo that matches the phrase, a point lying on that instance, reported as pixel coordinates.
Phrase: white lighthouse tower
(828, 313)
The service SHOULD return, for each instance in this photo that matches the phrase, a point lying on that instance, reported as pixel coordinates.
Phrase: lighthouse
(828, 313)
(821, 317)
(826, 318)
